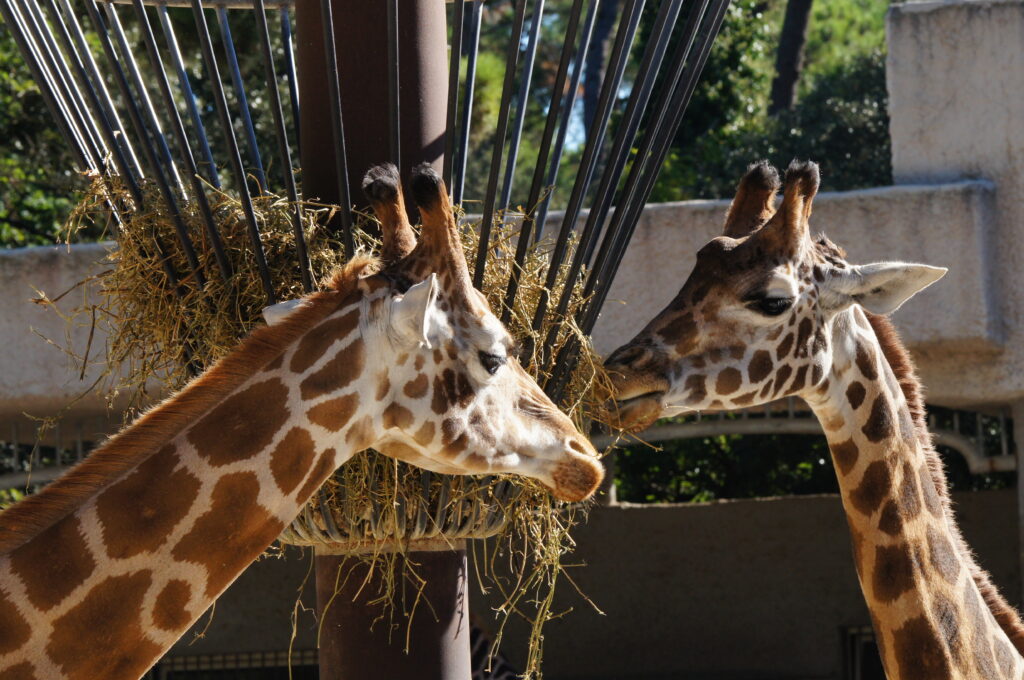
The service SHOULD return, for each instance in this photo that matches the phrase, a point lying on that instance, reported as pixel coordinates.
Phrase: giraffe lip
(656, 395)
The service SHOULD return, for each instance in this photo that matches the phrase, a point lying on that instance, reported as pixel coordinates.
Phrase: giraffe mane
(153, 429)
(903, 367)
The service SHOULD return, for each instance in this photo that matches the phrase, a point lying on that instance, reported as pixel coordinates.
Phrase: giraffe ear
(880, 288)
(275, 314)
(411, 313)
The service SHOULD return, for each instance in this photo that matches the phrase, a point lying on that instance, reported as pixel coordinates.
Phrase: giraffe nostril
(577, 447)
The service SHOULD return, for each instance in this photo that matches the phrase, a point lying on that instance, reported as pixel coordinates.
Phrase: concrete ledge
(947, 224)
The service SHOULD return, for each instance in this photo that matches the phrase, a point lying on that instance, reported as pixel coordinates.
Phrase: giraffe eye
(772, 306)
(491, 362)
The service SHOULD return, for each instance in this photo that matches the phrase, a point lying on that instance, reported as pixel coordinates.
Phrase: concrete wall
(734, 589)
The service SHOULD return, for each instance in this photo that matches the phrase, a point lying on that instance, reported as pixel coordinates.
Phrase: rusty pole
(354, 644)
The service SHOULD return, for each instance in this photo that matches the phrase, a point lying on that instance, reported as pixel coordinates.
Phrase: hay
(376, 504)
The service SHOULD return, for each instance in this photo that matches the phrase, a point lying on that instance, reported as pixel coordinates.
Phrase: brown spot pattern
(908, 497)
(803, 334)
(425, 434)
(760, 366)
(334, 414)
(336, 373)
(918, 652)
(16, 630)
(316, 342)
(729, 380)
(784, 347)
(170, 611)
(103, 636)
(879, 425)
(383, 387)
(417, 387)
(874, 488)
(947, 621)
(231, 533)
(291, 459)
(398, 417)
(360, 435)
(159, 497)
(243, 424)
(942, 557)
(866, 362)
(54, 563)
(890, 520)
(23, 671)
(855, 394)
(845, 455)
(931, 495)
(781, 378)
(695, 385)
(893, 573)
(324, 467)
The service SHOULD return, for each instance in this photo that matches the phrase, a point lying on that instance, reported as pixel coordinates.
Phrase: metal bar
(64, 123)
(190, 98)
(641, 181)
(453, 93)
(207, 4)
(289, 72)
(150, 154)
(241, 185)
(184, 148)
(394, 103)
(563, 128)
(588, 163)
(155, 129)
(459, 181)
(554, 108)
(650, 66)
(105, 102)
(334, 92)
(62, 81)
(511, 60)
(640, 184)
(243, 101)
(282, 143)
(522, 97)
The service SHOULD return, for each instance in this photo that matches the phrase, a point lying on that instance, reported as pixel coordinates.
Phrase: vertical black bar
(595, 138)
(511, 60)
(243, 101)
(184, 148)
(241, 185)
(459, 180)
(156, 131)
(190, 98)
(453, 92)
(150, 154)
(282, 142)
(522, 97)
(106, 104)
(650, 66)
(289, 72)
(563, 129)
(65, 86)
(334, 88)
(557, 94)
(394, 103)
(60, 117)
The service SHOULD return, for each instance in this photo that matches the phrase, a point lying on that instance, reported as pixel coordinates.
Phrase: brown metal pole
(360, 29)
(359, 640)
(352, 647)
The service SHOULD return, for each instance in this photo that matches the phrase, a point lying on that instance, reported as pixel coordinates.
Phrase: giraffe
(102, 571)
(770, 312)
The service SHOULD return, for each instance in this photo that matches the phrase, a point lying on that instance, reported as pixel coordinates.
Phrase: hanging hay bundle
(374, 506)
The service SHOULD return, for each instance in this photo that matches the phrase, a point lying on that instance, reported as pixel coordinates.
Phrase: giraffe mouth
(638, 411)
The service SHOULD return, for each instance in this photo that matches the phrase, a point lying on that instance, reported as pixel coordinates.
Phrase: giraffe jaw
(638, 412)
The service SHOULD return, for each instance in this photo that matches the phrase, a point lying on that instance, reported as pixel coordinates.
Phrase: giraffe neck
(107, 587)
(917, 575)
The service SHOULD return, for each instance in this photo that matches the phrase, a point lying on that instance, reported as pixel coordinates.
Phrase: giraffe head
(447, 393)
(753, 321)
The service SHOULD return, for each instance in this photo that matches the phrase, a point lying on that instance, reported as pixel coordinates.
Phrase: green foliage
(36, 173)
(841, 119)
